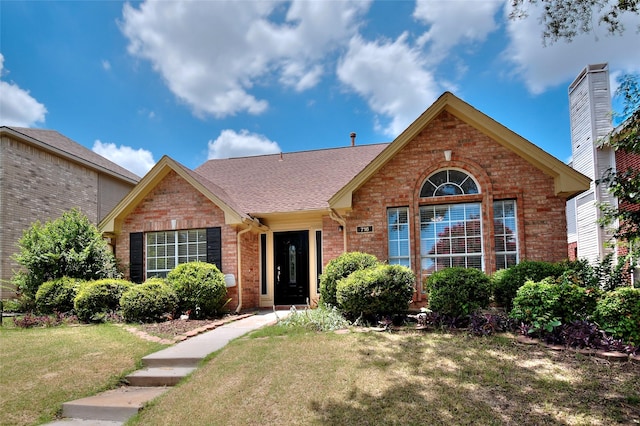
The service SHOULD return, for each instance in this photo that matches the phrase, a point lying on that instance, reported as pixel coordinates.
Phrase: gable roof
(568, 182)
(232, 212)
(289, 182)
(57, 143)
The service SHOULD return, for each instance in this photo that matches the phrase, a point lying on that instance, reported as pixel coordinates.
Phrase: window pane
(398, 234)
(428, 190)
(506, 233)
(458, 236)
(439, 178)
(448, 189)
(457, 177)
(469, 186)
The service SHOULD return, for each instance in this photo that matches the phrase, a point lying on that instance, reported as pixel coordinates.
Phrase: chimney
(353, 138)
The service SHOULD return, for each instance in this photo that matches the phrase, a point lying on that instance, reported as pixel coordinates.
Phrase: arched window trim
(458, 186)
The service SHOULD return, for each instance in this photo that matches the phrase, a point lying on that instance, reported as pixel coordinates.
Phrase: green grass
(278, 377)
(44, 367)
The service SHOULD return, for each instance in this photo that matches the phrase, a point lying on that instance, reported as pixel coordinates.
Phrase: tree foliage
(565, 19)
(69, 246)
(624, 184)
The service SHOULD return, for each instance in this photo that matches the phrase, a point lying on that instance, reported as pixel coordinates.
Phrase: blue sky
(212, 79)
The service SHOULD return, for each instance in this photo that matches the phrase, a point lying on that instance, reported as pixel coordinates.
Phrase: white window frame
(441, 222)
(402, 230)
(500, 221)
(160, 258)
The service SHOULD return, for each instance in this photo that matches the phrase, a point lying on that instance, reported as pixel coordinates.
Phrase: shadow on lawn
(488, 381)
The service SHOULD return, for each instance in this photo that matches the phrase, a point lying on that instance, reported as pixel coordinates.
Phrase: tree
(69, 246)
(624, 184)
(565, 19)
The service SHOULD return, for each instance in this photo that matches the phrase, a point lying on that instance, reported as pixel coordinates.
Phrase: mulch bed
(172, 331)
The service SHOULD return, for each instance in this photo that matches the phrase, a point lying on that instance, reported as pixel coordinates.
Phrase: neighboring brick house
(455, 188)
(42, 174)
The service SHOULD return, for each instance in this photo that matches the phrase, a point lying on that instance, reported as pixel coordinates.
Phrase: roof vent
(353, 138)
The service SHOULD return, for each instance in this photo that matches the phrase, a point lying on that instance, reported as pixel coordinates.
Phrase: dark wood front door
(291, 252)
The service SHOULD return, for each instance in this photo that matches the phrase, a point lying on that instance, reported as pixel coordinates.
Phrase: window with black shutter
(136, 257)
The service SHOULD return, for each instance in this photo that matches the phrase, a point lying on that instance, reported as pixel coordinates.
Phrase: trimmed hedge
(96, 299)
(458, 292)
(57, 295)
(381, 290)
(618, 313)
(552, 300)
(200, 289)
(149, 301)
(506, 284)
(339, 268)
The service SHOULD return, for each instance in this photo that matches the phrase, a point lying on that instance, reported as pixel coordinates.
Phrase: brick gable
(174, 199)
(500, 173)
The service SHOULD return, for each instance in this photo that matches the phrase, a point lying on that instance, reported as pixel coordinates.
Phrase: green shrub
(458, 291)
(577, 301)
(384, 289)
(618, 313)
(57, 295)
(550, 299)
(200, 289)
(97, 299)
(69, 246)
(506, 285)
(340, 268)
(149, 301)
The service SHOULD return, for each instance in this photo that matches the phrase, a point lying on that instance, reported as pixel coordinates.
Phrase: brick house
(42, 174)
(455, 188)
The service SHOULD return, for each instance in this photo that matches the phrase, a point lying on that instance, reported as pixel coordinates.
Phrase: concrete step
(159, 376)
(154, 361)
(84, 422)
(114, 405)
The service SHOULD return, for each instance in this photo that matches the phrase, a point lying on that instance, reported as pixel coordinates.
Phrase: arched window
(448, 182)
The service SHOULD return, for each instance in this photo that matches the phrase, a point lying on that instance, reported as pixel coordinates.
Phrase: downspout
(334, 215)
(239, 261)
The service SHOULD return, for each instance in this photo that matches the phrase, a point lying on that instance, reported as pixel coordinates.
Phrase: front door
(291, 256)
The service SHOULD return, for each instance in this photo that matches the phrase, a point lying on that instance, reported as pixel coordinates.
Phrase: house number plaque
(364, 229)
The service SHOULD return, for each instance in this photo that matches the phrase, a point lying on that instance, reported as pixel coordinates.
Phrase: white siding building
(590, 116)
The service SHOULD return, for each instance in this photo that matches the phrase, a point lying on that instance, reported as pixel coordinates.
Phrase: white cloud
(17, 107)
(392, 77)
(212, 54)
(543, 67)
(106, 65)
(231, 144)
(138, 161)
(454, 22)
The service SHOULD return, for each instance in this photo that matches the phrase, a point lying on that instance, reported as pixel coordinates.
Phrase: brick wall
(250, 244)
(175, 199)
(332, 240)
(500, 173)
(36, 185)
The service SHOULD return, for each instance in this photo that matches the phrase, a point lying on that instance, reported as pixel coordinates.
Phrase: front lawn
(44, 367)
(284, 377)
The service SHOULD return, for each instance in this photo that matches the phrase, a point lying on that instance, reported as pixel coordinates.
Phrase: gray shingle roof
(74, 151)
(288, 182)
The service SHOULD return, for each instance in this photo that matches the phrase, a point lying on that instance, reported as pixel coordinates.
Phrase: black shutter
(214, 246)
(136, 257)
